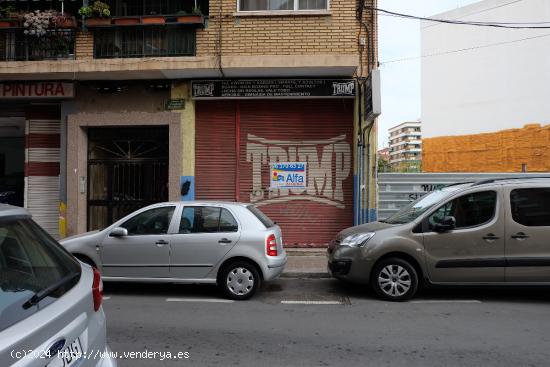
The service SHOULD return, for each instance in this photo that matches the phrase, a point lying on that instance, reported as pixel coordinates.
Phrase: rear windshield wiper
(39, 296)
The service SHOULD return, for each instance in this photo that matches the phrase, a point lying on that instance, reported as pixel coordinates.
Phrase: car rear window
(268, 223)
(30, 262)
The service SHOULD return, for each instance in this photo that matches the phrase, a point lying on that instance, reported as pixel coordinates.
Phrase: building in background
(486, 80)
(405, 147)
(101, 117)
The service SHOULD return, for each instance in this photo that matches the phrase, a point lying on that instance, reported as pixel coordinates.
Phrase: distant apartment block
(405, 143)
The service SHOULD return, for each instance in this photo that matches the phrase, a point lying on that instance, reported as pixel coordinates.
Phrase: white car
(50, 303)
(233, 245)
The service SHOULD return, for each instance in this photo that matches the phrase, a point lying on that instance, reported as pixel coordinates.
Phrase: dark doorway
(12, 157)
(127, 170)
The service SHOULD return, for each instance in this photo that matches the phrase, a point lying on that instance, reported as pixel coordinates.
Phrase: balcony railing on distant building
(56, 44)
(121, 42)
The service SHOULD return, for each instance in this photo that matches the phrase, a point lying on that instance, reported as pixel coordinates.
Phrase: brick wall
(502, 151)
(280, 35)
(336, 33)
(84, 47)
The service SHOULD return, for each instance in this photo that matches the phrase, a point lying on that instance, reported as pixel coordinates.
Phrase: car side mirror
(119, 232)
(447, 224)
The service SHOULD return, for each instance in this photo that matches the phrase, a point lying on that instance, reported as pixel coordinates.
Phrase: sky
(398, 39)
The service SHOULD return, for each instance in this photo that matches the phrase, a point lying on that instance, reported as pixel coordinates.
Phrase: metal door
(127, 170)
(195, 250)
(238, 140)
(473, 252)
(145, 252)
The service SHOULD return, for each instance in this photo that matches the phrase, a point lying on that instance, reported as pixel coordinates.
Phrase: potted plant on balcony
(63, 20)
(195, 17)
(6, 17)
(98, 14)
(36, 23)
(153, 19)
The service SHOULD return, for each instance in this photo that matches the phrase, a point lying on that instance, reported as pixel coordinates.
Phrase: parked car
(487, 232)
(232, 245)
(50, 304)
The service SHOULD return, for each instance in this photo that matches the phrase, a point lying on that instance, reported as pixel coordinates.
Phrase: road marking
(106, 297)
(312, 302)
(449, 301)
(207, 300)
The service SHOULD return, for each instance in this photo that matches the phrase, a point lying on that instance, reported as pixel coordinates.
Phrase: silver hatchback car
(488, 232)
(232, 245)
(50, 304)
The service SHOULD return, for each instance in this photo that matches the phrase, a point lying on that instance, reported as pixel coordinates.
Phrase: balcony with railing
(54, 44)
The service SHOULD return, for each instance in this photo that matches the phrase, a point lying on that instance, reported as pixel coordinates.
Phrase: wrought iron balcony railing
(56, 44)
(126, 42)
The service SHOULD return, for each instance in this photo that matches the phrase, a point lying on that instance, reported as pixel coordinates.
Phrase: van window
(531, 207)
(30, 262)
(469, 210)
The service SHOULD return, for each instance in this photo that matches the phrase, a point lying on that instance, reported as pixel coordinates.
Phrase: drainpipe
(359, 160)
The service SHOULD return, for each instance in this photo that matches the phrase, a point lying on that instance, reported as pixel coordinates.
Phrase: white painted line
(449, 301)
(312, 302)
(207, 300)
(106, 297)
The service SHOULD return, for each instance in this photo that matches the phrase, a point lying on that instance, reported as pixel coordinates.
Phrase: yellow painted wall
(182, 90)
(502, 151)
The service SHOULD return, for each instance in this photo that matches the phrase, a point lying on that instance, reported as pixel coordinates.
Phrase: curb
(309, 275)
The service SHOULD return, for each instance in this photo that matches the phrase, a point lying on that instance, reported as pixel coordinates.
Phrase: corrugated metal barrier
(395, 190)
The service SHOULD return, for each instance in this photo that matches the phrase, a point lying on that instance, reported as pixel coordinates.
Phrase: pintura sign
(17, 90)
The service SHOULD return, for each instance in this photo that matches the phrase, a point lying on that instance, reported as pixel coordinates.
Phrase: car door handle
(161, 243)
(224, 241)
(490, 237)
(520, 236)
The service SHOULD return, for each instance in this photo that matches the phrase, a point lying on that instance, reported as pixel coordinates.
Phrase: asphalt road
(323, 322)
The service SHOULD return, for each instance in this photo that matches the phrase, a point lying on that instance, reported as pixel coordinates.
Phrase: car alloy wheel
(394, 279)
(239, 280)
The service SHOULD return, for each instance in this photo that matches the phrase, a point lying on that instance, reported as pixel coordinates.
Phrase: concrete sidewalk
(306, 263)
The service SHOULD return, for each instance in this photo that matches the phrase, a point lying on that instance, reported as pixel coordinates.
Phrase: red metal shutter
(215, 150)
(319, 132)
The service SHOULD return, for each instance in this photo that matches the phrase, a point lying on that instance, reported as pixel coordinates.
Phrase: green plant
(85, 11)
(181, 12)
(6, 11)
(101, 9)
(98, 9)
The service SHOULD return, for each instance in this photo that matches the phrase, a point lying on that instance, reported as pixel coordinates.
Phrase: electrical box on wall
(373, 100)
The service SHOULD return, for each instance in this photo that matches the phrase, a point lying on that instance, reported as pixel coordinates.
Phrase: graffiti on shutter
(329, 164)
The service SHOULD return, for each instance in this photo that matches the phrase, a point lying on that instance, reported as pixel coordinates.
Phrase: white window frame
(283, 11)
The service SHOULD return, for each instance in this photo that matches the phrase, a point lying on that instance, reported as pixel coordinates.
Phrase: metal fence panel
(395, 190)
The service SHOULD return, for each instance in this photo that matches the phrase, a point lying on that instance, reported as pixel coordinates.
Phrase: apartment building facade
(182, 100)
(405, 145)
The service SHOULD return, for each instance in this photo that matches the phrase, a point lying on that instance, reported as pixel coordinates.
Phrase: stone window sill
(282, 13)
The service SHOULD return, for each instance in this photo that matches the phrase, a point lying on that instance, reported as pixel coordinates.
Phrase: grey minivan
(50, 304)
(488, 232)
(232, 245)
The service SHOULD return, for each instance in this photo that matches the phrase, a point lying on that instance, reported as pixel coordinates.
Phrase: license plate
(69, 357)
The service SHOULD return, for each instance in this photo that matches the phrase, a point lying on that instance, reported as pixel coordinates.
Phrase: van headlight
(357, 240)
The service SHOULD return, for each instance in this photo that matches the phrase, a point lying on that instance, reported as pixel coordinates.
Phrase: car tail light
(97, 290)
(271, 245)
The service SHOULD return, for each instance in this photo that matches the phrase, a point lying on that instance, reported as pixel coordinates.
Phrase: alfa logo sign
(288, 175)
(38, 90)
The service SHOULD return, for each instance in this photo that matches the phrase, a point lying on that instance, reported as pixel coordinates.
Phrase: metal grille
(15, 45)
(155, 7)
(125, 174)
(143, 42)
